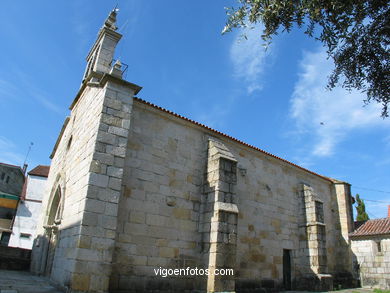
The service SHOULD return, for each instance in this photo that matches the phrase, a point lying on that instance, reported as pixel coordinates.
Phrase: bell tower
(100, 56)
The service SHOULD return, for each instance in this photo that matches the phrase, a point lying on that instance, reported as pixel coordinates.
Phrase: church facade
(136, 191)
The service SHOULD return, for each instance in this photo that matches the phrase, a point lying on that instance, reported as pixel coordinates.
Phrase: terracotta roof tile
(372, 227)
(228, 136)
(40, 170)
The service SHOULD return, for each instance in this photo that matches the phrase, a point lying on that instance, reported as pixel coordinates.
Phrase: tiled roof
(229, 137)
(372, 227)
(40, 170)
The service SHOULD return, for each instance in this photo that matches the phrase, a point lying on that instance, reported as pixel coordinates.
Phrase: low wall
(13, 258)
(374, 265)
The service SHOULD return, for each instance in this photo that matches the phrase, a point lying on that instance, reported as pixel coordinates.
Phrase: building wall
(69, 171)
(158, 214)
(11, 183)
(160, 210)
(133, 201)
(11, 180)
(87, 167)
(28, 213)
(374, 265)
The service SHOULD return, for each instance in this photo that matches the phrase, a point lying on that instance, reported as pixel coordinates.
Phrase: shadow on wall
(321, 262)
(54, 250)
(43, 252)
(52, 255)
(49, 252)
(23, 210)
(345, 272)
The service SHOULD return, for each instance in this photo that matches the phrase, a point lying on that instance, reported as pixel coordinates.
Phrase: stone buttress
(220, 214)
(314, 242)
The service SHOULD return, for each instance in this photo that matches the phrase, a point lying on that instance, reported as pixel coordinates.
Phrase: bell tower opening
(100, 57)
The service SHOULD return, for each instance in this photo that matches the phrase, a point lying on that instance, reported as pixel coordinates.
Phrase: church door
(52, 230)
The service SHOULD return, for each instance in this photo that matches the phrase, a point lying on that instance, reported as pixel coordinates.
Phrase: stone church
(135, 189)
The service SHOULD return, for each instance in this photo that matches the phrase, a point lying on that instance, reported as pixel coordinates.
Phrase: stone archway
(52, 222)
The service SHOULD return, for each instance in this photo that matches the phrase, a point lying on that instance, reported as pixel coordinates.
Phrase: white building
(29, 209)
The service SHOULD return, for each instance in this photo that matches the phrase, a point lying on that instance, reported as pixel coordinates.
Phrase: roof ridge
(10, 165)
(40, 170)
(378, 219)
(229, 137)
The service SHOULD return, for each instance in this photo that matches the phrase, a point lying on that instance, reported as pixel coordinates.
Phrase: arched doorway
(53, 220)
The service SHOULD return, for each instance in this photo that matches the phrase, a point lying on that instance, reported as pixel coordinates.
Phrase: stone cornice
(109, 77)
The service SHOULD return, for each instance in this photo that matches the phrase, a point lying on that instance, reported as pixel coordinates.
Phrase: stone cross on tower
(100, 56)
(111, 20)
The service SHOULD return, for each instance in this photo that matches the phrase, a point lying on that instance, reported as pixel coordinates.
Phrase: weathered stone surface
(374, 265)
(143, 189)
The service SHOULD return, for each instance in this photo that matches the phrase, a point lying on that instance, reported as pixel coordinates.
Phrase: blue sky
(275, 100)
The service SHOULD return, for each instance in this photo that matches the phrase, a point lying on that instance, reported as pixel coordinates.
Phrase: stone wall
(373, 262)
(87, 168)
(158, 213)
(13, 258)
(161, 211)
(70, 173)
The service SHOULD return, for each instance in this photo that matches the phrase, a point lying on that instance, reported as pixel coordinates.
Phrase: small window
(378, 246)
(319, 206)
(7, 180)
(25, 235)
(2, 176)
(69, 143)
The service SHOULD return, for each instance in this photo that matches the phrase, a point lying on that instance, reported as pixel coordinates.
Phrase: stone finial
(116, 70)
(111, 20)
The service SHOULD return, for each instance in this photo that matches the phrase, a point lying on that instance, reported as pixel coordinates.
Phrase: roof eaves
(40, 170)
(59, 137)
(358, 235)
(12, 166)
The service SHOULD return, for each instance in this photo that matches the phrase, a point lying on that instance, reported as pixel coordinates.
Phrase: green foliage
(355, 32)
(381, 291)
(361, 210)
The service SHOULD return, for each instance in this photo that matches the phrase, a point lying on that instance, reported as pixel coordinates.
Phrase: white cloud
(326, 117)
(8, 90)
(249, 58)
(31, 90)
(8, 154)
(46, 102)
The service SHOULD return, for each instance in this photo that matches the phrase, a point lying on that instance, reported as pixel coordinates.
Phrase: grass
(381, 291)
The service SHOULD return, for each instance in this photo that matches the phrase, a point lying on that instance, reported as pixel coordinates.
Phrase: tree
(361, 210)
(356, 34)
